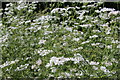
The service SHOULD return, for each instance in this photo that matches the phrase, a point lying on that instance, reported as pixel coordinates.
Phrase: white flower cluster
(3, 38)
(69, 31)
(44, 52)
(61, 60)
(93, 63)
(95, 44)
(22, 67)
(112, 13)
(59, 10)
(86, 25)
(106, 9)
(7, 63)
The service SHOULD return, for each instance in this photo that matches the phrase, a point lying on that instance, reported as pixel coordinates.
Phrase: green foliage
(80, 41)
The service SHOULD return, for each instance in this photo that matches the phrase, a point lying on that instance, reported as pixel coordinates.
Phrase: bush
(78, 41)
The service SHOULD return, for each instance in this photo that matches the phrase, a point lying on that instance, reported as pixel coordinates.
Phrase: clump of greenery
(78, 41)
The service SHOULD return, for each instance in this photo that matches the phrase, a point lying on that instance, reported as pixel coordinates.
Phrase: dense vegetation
(80, 40)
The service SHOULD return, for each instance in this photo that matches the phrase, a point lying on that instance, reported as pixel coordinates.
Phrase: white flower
(19, 7)
(47, 32)
(22, 67)
(97, 11)
(103, 68)
(76, 39)
(55, 10)
(64, 14)
(53, 69)
(114, 13)
(39, 62)
(115, 41)
(1, 14)
(7, 5)
(108, 32)
(85, 42)
(107, 9)
(57, 61)
(64, 44)
(44, 52)
(4, 38)
(91, 5)
(27, 21)
(95, 44)
(95, 68)
(30, 28)
(95, 21)
(118, 46)
(77, 48)
(93, 63)
(80, 48)
(79, 74)
(108, 63)
(80, 17)
(33, 66)
(48, 65)
(70, 8)
(104, 25)
(86, 25)
(42, 42)
(109, 46)
(6, 9)
(67, 74)
(77, 7)
(77, 58)
(68, 29)
(35, 2)
(94, 36)
(30, 10)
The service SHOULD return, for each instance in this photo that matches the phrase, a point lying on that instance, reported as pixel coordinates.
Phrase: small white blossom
(93, 63)
(33, 66)
(85, 42)
(47, 32)
(115, 41)
(96, 31)
(95, 68)
(108, 63)
(95, 44)
(86, 25)
(42, 42)
(68, 29)
(7, 63)
(114, 13)
(118, 46)
(6, 9)
(44, 52)
(107, 9)
(53, 69)
(94, 36)
(109, 46)
(79, 74)
(39, 62)
(27, 21)
(103, 68)
(76, 39)
(97, 11)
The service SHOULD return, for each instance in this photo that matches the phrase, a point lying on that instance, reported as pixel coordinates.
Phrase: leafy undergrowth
(80, 41)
